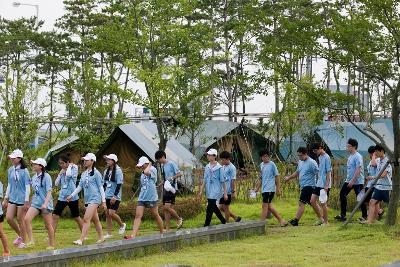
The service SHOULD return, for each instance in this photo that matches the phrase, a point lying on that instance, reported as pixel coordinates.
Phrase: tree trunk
(161, 134)
(227, 62)
(394, 198)
(51, 107)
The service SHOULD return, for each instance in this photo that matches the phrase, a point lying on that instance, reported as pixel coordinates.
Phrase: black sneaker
(238, 219)
(340, 218)
(294, 222)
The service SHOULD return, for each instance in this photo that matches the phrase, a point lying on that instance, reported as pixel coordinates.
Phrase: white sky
(50, 10)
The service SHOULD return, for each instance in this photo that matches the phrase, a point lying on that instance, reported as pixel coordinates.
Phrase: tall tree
(18, 94)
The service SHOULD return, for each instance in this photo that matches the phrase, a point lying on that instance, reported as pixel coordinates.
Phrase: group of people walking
(99, 190)
(316, 181)
(105, 190)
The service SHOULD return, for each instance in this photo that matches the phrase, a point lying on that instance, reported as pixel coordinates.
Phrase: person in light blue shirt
(94, 196)
(148, 196)
(66, 180)
(169, 174)
(16, 200)
(383, 184)
(370, 177)
(41, 203)
(214, 183)
(354, 179)
(229, 172)
(307, 171)
(269, 183)
(3, 236)
(324, 181)
(113, 179)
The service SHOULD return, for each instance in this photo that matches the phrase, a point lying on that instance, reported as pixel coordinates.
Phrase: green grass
(306, 245)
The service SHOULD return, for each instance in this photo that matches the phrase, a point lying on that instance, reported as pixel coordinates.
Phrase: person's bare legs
(315, 206)
(325, 212)
(167, 216)
(79, 222)
(30, 215)
(109, 222)
(87, 218)
(282, 222)
(11, 213)
(154, 211)
(264, 211)
(4, 241)
(48, 222)
(138, 219)
(225, 210)
(21, 212)
(115, 217)
(55, 222)
(372, 211)
(300, 210)
(99, 228)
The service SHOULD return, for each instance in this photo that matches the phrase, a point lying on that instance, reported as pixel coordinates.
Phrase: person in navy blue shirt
(214, 183)
(169, 172)
(229, 171)
(16, 200)
(307, 171)
(354, 180)
(148, 196)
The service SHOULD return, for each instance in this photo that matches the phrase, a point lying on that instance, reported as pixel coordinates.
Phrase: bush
(185, 207)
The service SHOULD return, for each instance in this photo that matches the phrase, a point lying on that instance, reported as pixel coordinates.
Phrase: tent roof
(209, 132)
(61, 145)
(145, 136)
(336, 139)
(297, 141)
(336, 134)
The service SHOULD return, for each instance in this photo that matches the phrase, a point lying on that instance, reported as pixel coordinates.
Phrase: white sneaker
(21, 245)
(122, 229)
(107, 236)
(78, 242)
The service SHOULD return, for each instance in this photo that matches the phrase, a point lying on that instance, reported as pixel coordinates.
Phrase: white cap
(212, 151)
(143, 160)
(89, 156)
(16, 154)
(39, 161)
(111, 156)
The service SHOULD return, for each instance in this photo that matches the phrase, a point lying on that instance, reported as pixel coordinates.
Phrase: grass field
(305, 245)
